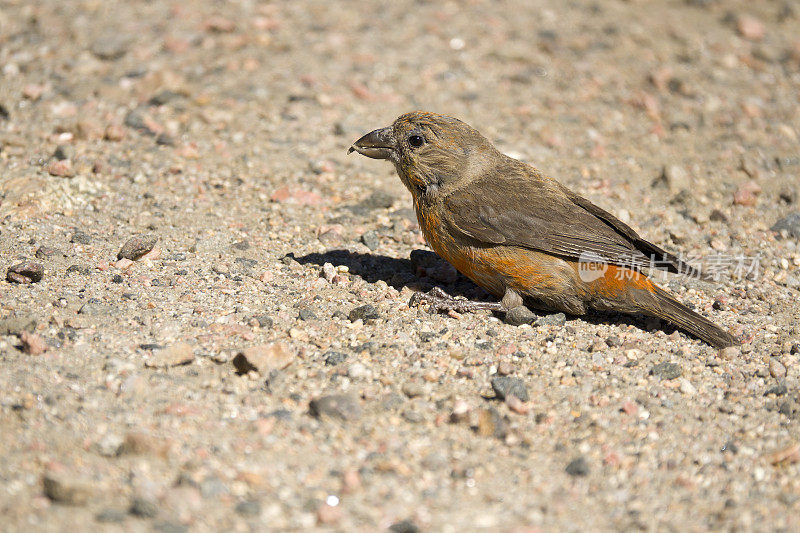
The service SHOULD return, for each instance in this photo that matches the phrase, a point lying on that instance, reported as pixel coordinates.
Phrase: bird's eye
(416, 141)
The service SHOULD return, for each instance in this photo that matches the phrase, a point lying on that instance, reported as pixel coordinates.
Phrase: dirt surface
(221, 370)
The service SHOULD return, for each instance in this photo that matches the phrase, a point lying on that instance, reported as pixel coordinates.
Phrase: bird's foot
(440, 302)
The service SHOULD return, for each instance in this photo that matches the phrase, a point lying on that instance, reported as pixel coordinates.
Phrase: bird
(520, 234)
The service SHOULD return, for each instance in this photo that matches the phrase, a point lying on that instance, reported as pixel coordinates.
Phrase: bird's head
(429, 151)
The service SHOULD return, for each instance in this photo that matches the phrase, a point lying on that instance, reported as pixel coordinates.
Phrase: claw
(439, 301)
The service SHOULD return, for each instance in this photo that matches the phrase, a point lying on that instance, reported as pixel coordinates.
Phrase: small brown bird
(520, 234)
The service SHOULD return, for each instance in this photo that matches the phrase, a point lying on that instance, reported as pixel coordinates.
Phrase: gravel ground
(216, 333)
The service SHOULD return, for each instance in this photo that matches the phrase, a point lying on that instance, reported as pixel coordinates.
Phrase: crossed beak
(378, 144)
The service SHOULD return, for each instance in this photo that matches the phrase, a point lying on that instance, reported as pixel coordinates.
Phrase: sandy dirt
(217, 335)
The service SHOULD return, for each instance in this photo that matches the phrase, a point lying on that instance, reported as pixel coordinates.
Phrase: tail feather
(672, 311)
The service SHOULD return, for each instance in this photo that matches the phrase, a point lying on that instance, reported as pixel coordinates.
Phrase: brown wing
(526, 209)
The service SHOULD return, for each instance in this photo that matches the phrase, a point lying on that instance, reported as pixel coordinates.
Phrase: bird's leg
(439, 301)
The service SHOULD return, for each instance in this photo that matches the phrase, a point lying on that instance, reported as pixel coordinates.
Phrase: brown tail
(671, 310)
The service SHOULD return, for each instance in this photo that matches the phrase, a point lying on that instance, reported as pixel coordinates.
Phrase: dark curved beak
(378, 144)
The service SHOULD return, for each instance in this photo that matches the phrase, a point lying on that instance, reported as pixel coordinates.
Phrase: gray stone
(25, 272)
(339, 406)
(80, 237)
(666, 371)
(578, 467)
(556, 319)
(137, 246)
(84, 270)
(505, 386)
(790, 224)
(143, 507)
(370, 240)
(366, 313)
(519, 315)
(334, 358)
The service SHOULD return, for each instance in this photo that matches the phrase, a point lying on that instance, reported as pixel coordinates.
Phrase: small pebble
(61, 168)
(578, 467)
(666, 371)
(370, 240)
(519, 315)
(84, 270)
(263, 358)
(366, 313)
(137, 246)
(505, 386)
(790, 225)
(46, 252)
(339, 406)
(776, 368)
(62, 488)
(404, 526)
(555, 319)
(80, 237)
(334, 358)
(328, 272)
(412, 389)
(25, 272)
(143, 507)
(110, 46)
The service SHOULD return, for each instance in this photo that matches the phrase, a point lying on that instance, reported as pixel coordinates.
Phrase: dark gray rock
(505, 386)
(519, 315)
(84, 270)
(334, 358)
(137, 246)
(790, 224)
(404, 526)
(370, 240)
(366, 313)
(666, 371)
(143, 507)
(306, 314)
(80, 237)
(25, 272)
(578, 467)
(64, 151)
(556, 319)
(264, 321)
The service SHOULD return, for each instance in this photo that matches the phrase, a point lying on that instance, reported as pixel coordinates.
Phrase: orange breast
(494, 268)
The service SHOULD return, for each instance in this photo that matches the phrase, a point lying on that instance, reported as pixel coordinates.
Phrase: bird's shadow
(399, 273)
